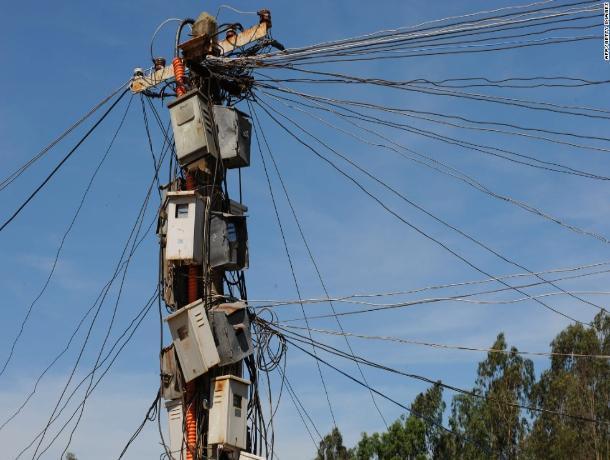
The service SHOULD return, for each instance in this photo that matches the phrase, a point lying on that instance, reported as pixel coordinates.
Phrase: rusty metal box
(193, 340)
(193, 126)
(228, 411)
(234, 136)
(171, 384)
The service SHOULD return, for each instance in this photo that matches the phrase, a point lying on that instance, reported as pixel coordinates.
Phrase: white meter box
(184, 241)
(193, 126)
(193, 339)
(243, 455)
(229, 411)
(175, 418)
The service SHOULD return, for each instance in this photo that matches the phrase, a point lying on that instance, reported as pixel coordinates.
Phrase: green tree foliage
(332, 448)
(417, 436)
(579, 386)
(493, 424)
(70, 456)
(489, 423)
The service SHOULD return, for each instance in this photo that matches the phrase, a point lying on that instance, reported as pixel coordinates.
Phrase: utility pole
(203, 247)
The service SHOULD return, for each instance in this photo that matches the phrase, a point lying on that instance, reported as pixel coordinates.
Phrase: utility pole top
(204, 42)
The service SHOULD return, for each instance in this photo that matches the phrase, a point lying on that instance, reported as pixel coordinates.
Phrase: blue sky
(61, 58)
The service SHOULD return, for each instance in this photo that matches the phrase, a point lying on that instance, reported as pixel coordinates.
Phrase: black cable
(429, 214)
(183, 23)
(310, 253)
(403, 220)
(394, 35)
(150, 144)
(60, 164)
(134, 231)
(407, 408)
(114, 311)
(137, 320)
(63, 239)
(151, 414)
(486, 149)
(68, 344)
(521, 103)
(332, 350)
(294, 278)
(443, 169)
(15, 174)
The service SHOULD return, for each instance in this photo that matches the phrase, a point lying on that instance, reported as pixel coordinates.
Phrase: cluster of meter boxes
(204, 339)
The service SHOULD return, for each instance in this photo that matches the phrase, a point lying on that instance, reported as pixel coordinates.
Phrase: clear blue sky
(59, 58)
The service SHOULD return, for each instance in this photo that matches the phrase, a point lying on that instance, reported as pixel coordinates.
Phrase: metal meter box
(237, 209)
(175, 416)
(234, 135)
(228, 242)
(243, 455)
(193, 340)
(231, 328)
(171, 385)
(184, 239)
(229, 411)
(193, 125)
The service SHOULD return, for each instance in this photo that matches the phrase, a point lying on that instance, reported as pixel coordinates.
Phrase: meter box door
(184, 241)
(193, 339)
(171, 385)
(234, 136)
(229, 411)
(175, 418)
(228, 242)
(193, 126)
(231, 328)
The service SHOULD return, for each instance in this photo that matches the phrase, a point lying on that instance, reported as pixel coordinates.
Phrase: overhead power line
(61, 163)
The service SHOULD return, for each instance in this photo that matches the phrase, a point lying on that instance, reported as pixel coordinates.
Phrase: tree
(491, 423)
(574, 385)
(414, 437)
(70, 456)
(332, 448)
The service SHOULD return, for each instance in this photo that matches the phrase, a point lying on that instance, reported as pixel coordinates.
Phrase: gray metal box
(193, 340)
(171, 385)
(229, 411)
(234, 136)
(193, 125)
(231, 328)
(228, 242)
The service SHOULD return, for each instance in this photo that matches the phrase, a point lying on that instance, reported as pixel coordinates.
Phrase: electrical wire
(61, 163)
(15, 174)
(447, 170)
(399, 217)
(290, 263)
(25, 319)
(448, 347)
(336, 352)
(311, 257)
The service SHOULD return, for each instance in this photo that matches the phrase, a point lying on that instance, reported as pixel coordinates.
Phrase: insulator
(178, 66)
